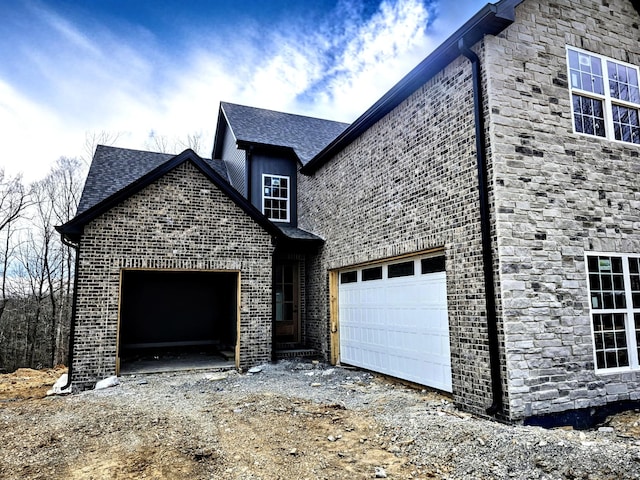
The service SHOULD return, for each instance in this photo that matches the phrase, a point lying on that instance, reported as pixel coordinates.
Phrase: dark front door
(286, 302)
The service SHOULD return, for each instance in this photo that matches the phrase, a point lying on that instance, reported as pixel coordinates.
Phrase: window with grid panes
(614, 292)
(605, 96)
(275, 197)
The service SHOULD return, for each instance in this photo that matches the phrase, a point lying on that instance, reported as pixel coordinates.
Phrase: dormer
(263, 151)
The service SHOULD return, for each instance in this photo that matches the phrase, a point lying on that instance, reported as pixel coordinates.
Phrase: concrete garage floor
(176, 362)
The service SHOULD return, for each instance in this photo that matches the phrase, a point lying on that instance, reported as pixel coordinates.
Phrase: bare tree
(13, 202)
(159, 143)
(41, 287)
(192, 141)
(33, 257)
(64, 187)
(165, 144)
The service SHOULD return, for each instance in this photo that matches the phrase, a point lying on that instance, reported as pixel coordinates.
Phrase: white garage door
(393, 320)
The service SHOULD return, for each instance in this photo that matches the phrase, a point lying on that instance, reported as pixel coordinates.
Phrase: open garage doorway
(177, 320)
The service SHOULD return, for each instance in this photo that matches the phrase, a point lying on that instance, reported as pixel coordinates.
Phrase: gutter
(74, 302)
(485, 227)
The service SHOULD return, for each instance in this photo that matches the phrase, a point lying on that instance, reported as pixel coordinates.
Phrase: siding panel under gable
(235, 160)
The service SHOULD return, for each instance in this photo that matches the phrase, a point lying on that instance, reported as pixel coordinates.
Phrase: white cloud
(65, 29)
(285, 75)
(32, 135)
(104, 82)
(380, 53)
(338, 69)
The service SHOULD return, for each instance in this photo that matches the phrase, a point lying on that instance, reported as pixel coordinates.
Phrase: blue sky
(69, 69)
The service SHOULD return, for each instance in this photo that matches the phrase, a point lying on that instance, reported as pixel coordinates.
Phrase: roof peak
(280, 112)
(305, 136)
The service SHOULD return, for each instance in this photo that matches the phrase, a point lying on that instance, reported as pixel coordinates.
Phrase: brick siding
(409, 184)
(180, 222)
(558, 195)
(406, 185)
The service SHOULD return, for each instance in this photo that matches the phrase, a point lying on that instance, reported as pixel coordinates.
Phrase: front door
(286, 301)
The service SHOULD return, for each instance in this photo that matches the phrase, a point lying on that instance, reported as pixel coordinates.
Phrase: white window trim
(632, 346)
(605, 98)
(288, 199)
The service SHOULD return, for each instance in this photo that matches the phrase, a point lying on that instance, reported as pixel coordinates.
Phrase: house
(178, 251)
(477, 230)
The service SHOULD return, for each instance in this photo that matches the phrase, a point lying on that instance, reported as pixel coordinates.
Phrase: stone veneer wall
(180, 222)
(558, 195)
(409, 184)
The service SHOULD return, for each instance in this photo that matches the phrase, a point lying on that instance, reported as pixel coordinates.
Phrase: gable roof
(112, 169)
(490, 20)
(306, 136)
(74, 228)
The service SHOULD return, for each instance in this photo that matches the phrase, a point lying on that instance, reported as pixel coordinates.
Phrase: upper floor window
(605, 96)
(275, 197)
(614, 292)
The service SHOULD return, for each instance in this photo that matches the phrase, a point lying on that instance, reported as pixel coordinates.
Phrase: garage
(172, 314)
(393, 320)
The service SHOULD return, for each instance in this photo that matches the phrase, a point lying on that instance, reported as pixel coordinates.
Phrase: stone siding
(406, 185)
(558, 195)
(182, 221)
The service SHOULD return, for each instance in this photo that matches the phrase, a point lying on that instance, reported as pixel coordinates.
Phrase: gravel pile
(291, 420)
(423, 426)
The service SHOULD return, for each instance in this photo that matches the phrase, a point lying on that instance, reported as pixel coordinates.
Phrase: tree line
(37, 268)
(36, 265)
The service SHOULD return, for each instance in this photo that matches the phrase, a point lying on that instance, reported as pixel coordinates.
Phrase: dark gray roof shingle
(307, 136)
(112, 169)
(295, 233)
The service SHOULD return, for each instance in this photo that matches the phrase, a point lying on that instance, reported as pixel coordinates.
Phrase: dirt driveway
(290, 421)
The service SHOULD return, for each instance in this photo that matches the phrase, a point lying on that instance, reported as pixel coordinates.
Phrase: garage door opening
(175, 320)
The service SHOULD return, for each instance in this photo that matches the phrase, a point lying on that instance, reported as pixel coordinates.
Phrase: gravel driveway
(291, 420)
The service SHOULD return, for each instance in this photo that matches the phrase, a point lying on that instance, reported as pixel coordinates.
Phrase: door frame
(334, 318)
(296, 332)
(181, 270)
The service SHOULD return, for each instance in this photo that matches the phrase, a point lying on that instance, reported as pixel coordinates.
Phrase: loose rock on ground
(291, 420)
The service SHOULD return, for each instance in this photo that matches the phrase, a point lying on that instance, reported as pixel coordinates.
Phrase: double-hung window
(276, 191)
(605, 96)
(614, 292)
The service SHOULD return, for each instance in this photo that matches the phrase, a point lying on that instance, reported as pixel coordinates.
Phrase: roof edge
(74, 228)
(268, 147)
(222, 125)
(490, 20)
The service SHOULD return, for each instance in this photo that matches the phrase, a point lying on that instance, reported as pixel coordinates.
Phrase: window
(605, 96)
(275, 197)
(404, 269)
(614, 292)
(432, 265)
(373, 273)
(349, 277)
